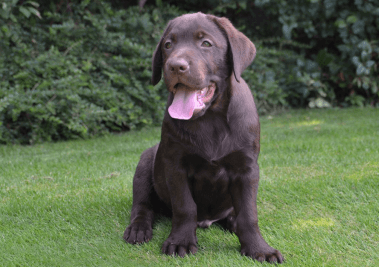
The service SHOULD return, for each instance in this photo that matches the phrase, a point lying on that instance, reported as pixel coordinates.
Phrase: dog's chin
(198, 113)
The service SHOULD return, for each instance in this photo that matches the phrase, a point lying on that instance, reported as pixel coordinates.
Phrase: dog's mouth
(188, 102)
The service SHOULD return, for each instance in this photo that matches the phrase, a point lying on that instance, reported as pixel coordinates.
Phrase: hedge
(77, 69)
(79, 72)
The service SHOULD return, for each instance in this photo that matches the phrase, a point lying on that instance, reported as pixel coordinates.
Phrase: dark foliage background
(75, 69)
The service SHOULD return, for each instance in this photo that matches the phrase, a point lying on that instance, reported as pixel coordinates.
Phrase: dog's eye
(168, 45)
(206, 44)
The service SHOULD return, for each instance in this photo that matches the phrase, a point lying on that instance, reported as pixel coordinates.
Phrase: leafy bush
(282, 78)
(343, 37)
(76, 69)
(80, 72)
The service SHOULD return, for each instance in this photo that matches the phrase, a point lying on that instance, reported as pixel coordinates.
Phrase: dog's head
(197, 53)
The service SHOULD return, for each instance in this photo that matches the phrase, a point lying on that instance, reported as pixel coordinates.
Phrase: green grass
(68, 203)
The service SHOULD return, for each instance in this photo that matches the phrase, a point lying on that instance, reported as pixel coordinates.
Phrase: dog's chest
(212, 143)
(215, 148)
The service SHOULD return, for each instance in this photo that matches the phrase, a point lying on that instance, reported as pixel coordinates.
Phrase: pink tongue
(183, 105)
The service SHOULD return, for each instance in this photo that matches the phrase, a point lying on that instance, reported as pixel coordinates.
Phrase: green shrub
(282, 78)
(78, 73)
(76, 69)
(343, 36)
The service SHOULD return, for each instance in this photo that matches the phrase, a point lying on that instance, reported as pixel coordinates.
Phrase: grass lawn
(68, 203)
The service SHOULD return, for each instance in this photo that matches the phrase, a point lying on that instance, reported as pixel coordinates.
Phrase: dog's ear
(242, 50)
(158, 58)
(157, 64)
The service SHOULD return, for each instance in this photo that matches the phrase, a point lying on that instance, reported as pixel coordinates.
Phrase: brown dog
(205, 167)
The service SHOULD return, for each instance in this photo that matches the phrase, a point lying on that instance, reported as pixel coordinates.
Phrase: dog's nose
(178, 66)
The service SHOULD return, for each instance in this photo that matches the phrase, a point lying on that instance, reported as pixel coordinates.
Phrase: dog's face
(196, 55)
(193, 51)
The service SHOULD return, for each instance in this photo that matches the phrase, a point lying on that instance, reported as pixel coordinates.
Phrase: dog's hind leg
(142, 216)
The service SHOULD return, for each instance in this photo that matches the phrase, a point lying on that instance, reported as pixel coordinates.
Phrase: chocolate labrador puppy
(205, 167)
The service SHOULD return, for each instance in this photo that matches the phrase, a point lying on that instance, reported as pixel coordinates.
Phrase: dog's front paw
(137, 233)
(181, 247)
(262, 254)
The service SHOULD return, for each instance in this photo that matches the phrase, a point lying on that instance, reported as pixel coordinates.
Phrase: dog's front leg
(182, 239)
(244, 189)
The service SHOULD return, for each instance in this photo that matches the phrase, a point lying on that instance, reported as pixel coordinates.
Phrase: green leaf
(322, 103)
(321, 92)
(32, 3)
(13, 18)
(351, 19)
(340, 23)
(360, 70)
(286, 31)
(323, 58)
(35, 12)
(356, 60)
(4, 14)
(5, 29)
(25, 11)
(366, 86)
(312, 104)
(370, 63)
(359, 83)
(243, 5)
